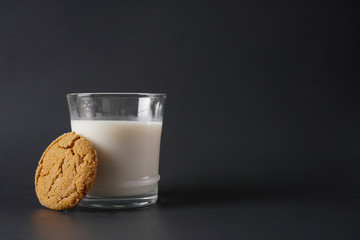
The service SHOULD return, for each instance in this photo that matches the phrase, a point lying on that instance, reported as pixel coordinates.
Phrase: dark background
(263, 96)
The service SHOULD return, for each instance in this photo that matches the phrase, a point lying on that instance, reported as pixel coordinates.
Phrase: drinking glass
(125, 130)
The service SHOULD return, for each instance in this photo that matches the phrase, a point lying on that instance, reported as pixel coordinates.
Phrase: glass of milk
(125, 130)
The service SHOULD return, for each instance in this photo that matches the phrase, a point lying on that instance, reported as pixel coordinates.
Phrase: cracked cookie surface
(66, 172)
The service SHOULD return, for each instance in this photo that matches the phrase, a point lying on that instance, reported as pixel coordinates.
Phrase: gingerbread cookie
(66, 172)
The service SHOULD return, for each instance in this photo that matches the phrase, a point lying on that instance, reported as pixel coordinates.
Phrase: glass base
(120, 202)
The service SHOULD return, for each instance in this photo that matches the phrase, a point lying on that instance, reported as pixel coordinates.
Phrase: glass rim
(117, 94)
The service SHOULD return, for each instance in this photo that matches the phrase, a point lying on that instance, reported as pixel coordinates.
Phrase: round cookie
(66, 172)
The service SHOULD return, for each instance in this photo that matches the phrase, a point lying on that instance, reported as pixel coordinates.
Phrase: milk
(128, 155)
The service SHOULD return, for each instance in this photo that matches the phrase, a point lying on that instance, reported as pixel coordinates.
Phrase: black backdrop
(262, 95)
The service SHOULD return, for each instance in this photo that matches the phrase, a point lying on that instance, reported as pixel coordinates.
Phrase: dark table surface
(190, 215)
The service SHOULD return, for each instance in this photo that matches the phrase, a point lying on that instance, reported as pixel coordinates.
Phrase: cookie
(66, 172)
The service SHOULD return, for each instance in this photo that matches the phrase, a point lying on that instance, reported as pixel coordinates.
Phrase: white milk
(128, 155)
